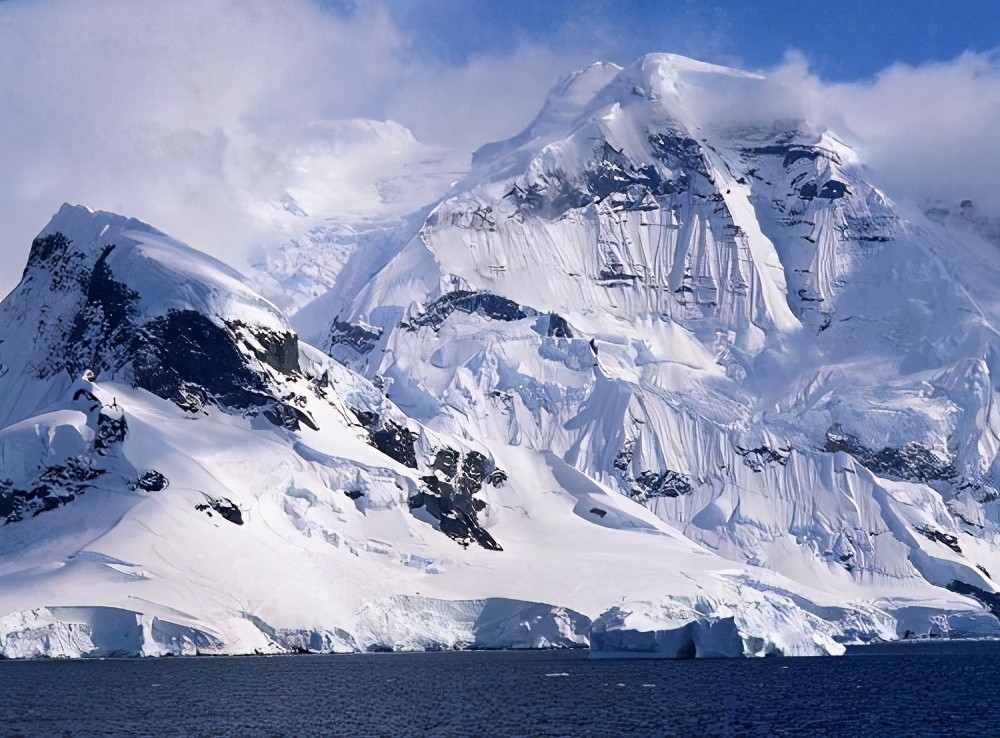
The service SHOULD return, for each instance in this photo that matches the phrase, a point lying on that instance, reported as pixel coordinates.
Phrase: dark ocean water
(921, 689)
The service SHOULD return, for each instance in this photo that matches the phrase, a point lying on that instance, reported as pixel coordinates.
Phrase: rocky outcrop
(449, 495)
(481, 303)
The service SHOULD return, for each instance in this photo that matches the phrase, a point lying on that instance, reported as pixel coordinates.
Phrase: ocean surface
(907, 689)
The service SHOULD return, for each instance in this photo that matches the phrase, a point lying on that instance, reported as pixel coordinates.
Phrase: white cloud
(487, 99)
(180, 112)
(925, 132)
(168, 111)
(931, 131)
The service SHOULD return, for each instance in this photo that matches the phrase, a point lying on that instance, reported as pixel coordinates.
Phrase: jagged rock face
(913, 462)
(449, 479)
(91, 318)
(449, 495)
(186, 358)
(193, 356)
(60, 457)
(358, 338)
(52, 487)
(481, 303)
(224, 507)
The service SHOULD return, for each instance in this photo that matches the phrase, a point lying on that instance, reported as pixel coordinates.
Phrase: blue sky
(845, 40)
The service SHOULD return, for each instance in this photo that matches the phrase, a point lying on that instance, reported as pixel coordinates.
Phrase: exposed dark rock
(558, 327)
(90, 397)
(940, 537)
(568, 196)
(845, 559)
(650, 484)
(286, 416)
(831, 190)
(151, 481)
(182, 356)
(102, 328)
(680, 153)
(479, 217)
(53, 487)
(277, 349)
(530, 198)
(791, 153)
(623, 461)
(224, 506)
(614, 272)
(186, 358)
(48, 251)
(763, 456)
(111, 431)
(912, 463)
(612, 172)
(367, 418)
(396, 442)
(598, 512)
(482, 303)
(475, 468)
(496, 478)
(354, 494)
(358, 337)
(449, 496)
(446, 462)
(990, 600)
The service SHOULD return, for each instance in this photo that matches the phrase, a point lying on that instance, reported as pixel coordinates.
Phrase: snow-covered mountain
(717, 316)
(181, 474)
(655, 376)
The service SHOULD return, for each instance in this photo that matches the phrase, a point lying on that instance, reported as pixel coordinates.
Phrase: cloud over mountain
(180, 113)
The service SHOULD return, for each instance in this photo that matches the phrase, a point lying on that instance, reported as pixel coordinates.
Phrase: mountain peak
(165, 273)
(675, 63)
(564, 104)
(667, 79)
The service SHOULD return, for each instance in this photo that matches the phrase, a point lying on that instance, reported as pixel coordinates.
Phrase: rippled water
(924, 689)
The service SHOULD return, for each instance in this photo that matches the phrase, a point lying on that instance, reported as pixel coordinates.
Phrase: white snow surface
(743, 405)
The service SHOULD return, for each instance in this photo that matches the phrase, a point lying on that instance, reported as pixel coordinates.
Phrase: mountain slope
(718, 316)
(182, 475)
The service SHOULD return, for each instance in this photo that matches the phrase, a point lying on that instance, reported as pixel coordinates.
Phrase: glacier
(655, 378)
